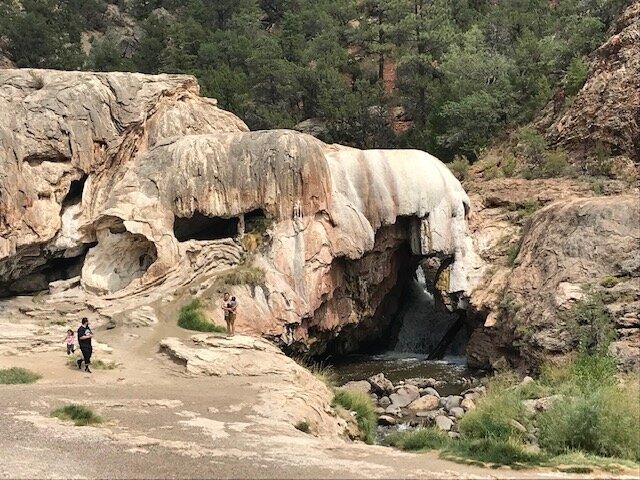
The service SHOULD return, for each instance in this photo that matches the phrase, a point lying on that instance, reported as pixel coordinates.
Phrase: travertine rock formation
(147, 192)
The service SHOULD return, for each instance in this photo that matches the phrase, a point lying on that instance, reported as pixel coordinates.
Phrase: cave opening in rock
(203, 227)
(256, 221)
(119, 258)
(38, 279)
(74, 195)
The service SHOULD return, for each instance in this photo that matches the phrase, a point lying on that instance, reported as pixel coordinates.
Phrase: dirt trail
(161, 423)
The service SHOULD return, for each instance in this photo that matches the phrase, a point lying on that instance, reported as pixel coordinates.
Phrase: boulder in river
(384, 401)
(380, 384)
(404, 395)
(430, 391)
(387, 420)
(444, 423)
(467, 404)
(457, 412)
(451, 401)
(427, 402)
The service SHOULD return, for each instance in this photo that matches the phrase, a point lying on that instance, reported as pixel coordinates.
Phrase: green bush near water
(493, 451)
(419, 439)
(492, 419)
(600, 415)
(17, 375)
(593, 421)
(361, 404)
(79, 414)
(192, 317)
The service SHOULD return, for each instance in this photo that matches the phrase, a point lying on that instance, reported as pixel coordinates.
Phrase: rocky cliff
(563, 270)
(121, 191)
(606, 110)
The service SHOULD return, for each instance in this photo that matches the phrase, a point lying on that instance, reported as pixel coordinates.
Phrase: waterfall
(422, 324)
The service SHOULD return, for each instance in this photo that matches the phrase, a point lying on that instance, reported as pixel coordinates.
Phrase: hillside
(443, 76)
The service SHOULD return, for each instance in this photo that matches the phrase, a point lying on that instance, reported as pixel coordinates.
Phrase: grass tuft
(303, 426)
(79, 414)
(493, 415)
(361, 404)
(17, 375)
(419, 439)
(102, 365)
(324, 373)
(493, 451)
(243, 275)
(609, 282)
(192, 317)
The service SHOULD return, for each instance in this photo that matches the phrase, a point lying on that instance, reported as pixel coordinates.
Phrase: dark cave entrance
(202, 227)
(52, 270)
(74, 195)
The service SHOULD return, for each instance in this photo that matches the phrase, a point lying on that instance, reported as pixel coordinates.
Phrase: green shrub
(419, 439)
(590, 323)
(493, 415)
(601, 164)
(17, 375)
(512, 253)
(80, 414)
(555, 164)
(497, 451)
(525, 209)
(361, 404)
(534, 144)
(492, 173)
(509, 305)
(303, 426)
(609, 282)
(192, 317)
(602, 421)
(576, 75)
(509, 165)
(459, 167)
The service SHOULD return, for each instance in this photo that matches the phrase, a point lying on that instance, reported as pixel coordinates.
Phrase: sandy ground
(160, 423)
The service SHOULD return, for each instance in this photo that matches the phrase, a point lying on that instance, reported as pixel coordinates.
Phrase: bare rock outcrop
(148, 192)
(562, 254)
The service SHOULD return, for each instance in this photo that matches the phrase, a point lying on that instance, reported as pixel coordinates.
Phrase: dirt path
(160, 423)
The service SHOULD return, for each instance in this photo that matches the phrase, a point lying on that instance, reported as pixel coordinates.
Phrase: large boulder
(404, 396)
(425, 403)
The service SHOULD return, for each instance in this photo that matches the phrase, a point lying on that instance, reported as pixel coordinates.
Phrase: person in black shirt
(84, 340)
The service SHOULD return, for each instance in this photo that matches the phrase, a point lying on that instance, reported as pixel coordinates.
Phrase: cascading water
(423, 325)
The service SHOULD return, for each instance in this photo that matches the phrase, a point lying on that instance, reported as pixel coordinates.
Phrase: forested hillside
(447, 76)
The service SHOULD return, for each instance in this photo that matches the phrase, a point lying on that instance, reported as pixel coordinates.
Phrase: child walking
(70, 340)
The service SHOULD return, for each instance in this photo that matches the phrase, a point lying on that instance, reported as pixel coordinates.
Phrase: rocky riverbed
(417, 402)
